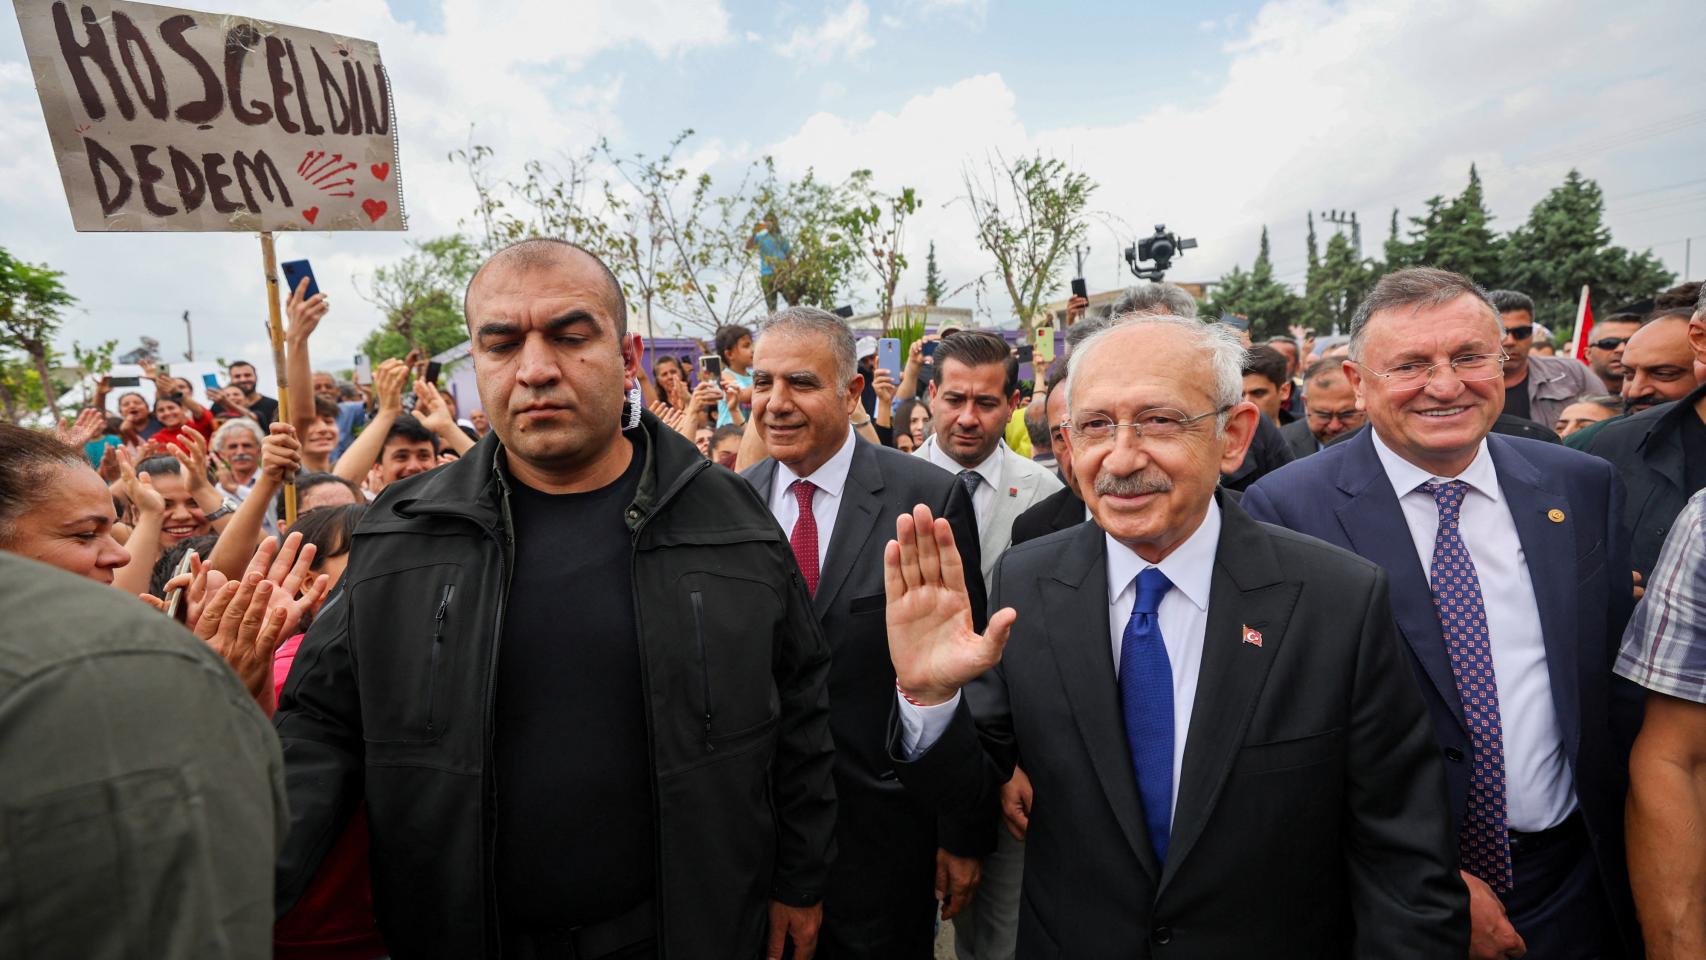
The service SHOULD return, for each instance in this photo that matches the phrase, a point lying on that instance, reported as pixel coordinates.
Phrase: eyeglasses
(1609, 343)
(1325, 417)
(1470, 368)
(1520, 333)
(1159, 423)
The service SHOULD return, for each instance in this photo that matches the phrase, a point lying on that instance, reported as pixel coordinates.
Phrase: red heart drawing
(374, 209)
(310, 213)
(381, 170)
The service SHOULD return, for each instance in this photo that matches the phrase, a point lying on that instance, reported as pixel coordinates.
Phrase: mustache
(1648, 400)
(1133, 485)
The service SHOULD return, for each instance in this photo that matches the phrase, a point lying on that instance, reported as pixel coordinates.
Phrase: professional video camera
(1160, 247)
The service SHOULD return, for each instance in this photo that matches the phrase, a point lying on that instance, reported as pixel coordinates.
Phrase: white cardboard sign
(171, 119)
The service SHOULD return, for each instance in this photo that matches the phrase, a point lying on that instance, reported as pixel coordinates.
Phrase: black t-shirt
(264, 408)
(575, 841)
(1516, 400)
(1693, 451)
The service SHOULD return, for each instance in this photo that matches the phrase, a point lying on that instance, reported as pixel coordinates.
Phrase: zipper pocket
(437, 645)
(698, 600)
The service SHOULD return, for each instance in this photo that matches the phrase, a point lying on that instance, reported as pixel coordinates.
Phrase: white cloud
(1361, 105)
(844, 33)
(514, 70)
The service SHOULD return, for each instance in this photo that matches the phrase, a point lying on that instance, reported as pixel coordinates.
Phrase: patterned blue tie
(1483, 842)
(1146, 696)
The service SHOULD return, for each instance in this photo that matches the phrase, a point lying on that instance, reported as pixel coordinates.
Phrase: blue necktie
(1146, 696)
(1483, 841)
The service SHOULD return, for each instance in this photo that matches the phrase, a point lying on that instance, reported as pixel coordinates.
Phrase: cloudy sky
(1214, 117)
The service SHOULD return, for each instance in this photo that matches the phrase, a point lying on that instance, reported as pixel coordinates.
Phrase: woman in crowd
(175, 421)
(54, 507)
(913, 417)
(139, 423)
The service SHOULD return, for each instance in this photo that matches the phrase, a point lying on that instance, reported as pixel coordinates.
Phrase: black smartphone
(294, 271)
(1079, 288)
(432, 372)
(124, 381)
(1026, 352)
(845, 313)
(711, 367)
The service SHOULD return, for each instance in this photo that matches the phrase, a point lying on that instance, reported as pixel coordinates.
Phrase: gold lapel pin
(1555, 515)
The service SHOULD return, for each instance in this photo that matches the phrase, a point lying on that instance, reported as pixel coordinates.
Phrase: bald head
(546, 253)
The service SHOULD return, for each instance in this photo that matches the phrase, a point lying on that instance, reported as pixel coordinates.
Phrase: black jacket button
(1454, 755)
(1162, 934)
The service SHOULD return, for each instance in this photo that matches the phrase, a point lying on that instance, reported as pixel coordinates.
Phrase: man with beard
(575, 676)
(973, 390)
(1661, 450)
(265, 409)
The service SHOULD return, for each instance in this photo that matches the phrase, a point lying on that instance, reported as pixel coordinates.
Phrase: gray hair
(1416, 288)
(1151, 298)
(1217, 341)
(1609, 401)
(810, 321)
(232, 426)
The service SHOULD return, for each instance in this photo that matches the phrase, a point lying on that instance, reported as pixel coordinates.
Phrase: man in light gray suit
(972, 395)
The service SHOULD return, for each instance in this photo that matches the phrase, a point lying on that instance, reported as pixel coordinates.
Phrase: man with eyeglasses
(1537, 388)
(1510, 585)
(1227, 754)
(1331, 410)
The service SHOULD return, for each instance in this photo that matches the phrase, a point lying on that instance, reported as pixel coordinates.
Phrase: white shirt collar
(1480, 475)
(989, 469)
(1190, 567)
(831, 477)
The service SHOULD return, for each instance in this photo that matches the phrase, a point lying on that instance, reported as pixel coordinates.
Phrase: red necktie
(804, 537)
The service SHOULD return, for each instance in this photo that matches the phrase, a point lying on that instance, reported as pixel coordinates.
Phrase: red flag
(1584, 325)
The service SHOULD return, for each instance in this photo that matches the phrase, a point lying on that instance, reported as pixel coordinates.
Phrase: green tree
(1565, 244)
(1029, 213)
(1339, 284)
(809, 213)
(878, 225)
(1456, 235)
(933, 288)
(32, 299)
(420, 297)
(1271, 306)
(1398, 253)
(95, 361)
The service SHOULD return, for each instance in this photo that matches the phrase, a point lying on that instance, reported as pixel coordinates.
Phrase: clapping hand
(191, 453)
(200, 585)
(431, 408)
(139, 490)
(931, 640)
(672, 417)
(248, 618)
(388, 383)
(91, 423)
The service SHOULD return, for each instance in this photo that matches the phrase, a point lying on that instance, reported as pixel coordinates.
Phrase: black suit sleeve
(1396, 808)
(319, 725)
(970, 833)
(804, 791)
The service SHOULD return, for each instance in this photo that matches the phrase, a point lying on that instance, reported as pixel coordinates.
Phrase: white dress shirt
(982, 499)
(1182, 616)
(829, 479)
(1539, 789)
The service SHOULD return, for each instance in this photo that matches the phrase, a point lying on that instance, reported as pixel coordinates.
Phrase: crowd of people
(1390, 645)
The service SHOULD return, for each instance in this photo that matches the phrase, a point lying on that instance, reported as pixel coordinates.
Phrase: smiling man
(834, 494)
(576, 678)
(1510, 586)
(1227, 755)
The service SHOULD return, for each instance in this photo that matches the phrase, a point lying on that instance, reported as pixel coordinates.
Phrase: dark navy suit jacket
(1568, 508)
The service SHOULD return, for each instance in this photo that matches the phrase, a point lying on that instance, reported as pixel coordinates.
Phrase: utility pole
(189, 338)
(1343, 219)
(1079, 253)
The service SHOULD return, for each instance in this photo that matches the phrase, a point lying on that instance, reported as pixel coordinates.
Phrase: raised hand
(678, 394)
(91, 423)
(672, 417)
(931, 641)
(289, 567)
(388, 383)
(883, 383)
(243, 627)
(431, 409)
(281, 453)
(191, 453)
(305, 312)
(139, 490)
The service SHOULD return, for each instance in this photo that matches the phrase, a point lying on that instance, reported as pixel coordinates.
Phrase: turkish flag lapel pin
(1252, 636)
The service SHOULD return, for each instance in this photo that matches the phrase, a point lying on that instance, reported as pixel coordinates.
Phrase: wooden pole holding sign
(275, 333)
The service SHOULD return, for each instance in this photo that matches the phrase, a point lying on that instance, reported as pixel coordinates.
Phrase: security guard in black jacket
(574, 676)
